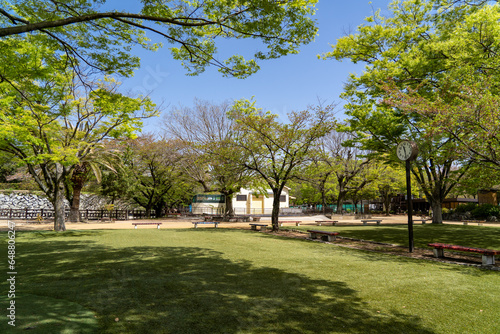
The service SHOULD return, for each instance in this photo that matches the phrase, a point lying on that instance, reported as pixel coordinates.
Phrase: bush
(463, 208)
(445, 211)
(486, 210)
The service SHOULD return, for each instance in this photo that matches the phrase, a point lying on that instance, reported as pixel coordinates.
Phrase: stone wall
(21, 200)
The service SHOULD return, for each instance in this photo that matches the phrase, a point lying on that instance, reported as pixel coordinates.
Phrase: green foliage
(276, 151)
(463, 208)
(485, 210)
(413, 49)
(101, 40)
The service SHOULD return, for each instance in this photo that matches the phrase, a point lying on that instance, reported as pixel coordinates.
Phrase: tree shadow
(194, 290)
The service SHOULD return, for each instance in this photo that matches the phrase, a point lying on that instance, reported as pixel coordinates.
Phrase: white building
(245, 202)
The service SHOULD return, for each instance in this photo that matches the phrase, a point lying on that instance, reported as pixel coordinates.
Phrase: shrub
(486, 210)
(445, 211)
(463, 208)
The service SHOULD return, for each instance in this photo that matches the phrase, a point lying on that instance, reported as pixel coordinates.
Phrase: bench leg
(465, 223)
(195, 225)
(438, 252)
(135, 226)
(334, 224)
(378, 223)
(216, 225)
(253, 227)
(331, 238)
(297, 224)
(263, 228)
(312, 235)
(488, 260)
(158, 227)
(365, 223)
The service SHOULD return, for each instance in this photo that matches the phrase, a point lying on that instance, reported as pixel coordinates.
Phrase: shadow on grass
(472, 236)
(194, 290)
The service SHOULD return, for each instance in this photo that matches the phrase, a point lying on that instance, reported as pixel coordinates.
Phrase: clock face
(404, 150)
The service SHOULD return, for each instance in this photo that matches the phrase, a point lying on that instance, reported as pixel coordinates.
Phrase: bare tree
(206, 133)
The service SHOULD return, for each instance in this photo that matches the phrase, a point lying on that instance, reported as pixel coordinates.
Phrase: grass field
(235, 281)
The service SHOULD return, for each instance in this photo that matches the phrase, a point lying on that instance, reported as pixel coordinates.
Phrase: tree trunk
(74, 213)
(437, 212)
(340, 203)
(148, 211)
(276, 210)
(59, 214)
(229, 212)
(387, 205)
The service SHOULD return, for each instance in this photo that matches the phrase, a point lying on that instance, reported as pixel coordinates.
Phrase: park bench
(263, 227)
(296, 222)
(423, 220)
(204, 223)
(158, 224)
(479, 222)
(256, 219)
(209, 218)
(365, 221)
(488, 255)
(326, 222)
(331, 236)
(173, 214)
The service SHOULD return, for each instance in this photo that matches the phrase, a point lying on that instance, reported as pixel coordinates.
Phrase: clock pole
(409, 206)
(407, 151)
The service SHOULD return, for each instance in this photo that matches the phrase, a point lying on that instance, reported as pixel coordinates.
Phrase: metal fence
(39, 214)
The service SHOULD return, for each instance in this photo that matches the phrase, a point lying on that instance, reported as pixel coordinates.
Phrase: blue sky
(289, 83)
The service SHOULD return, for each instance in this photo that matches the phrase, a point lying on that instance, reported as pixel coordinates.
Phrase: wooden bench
(326, 222)
(488, 255)
(365, 221)
(313, 234)
(296, 222)
(256, 219)
(263, 227)
(176, 215)
(423, 220)
(196, 223)
(158, 224)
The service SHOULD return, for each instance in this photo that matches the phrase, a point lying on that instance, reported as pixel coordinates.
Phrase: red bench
(313, 234)
(488, 255)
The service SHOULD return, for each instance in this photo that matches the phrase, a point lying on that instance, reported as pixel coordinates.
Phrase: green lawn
(472, 236)
(233, 281)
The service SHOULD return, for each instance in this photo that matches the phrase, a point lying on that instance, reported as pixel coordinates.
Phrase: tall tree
(63, 125)
(81, 172)
(276, 150)
(409, 48)
(206, 132)
(346, 162)
(151, 166)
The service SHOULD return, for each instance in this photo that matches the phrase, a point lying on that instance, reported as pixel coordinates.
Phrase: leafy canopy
(93, 37)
